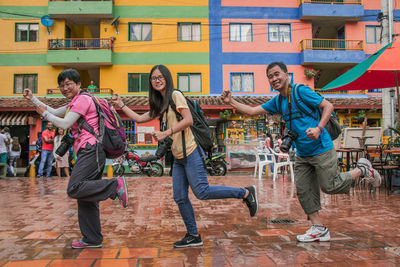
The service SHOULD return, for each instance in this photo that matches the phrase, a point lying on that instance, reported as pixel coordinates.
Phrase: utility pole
(388, 94)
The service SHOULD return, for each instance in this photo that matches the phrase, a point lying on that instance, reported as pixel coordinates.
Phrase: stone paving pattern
(38, 222)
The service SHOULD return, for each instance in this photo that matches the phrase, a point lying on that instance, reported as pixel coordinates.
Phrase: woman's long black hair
(158, 103)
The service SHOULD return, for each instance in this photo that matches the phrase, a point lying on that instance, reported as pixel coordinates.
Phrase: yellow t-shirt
(177, 148)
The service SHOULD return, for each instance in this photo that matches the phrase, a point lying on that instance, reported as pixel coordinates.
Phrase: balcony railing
(80, 44)
(57, 91)
(331, 44)
(340, 2)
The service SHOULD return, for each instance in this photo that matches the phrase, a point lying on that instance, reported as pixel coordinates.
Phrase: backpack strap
(179, 118)
(309, 111)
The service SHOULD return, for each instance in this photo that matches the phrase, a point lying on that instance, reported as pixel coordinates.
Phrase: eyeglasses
(66, 85)
(158, 78)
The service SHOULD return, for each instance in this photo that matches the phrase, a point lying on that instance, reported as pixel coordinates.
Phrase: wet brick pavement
(38, 222)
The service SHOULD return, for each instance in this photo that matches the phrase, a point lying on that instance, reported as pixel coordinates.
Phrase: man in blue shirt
(316, 160)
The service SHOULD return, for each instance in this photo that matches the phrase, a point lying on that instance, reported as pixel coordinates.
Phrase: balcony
(331, 51)
(350, 10)
(98, 91)
(81, 12)
(82, 52)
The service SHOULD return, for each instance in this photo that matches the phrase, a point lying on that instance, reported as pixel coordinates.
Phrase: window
(290, 82)
(140, 32)
(373, 34)
(240, 32)
(26, 32)
(279, 33)
(242, 82)
(22, 81)
(138, 82)
(189, 82)
(189, 32)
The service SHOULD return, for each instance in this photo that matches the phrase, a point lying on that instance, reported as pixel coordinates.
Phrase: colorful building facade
(209, 46)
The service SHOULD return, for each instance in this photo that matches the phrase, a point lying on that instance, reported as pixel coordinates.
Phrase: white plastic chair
(285, 160)
(261, 161)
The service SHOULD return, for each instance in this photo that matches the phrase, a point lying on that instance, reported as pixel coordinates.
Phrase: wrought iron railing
(57, 91)
(339, 2)
(331, 44)
(80, 43)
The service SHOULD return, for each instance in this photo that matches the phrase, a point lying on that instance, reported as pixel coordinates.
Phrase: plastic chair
(285, 161)
(262, 159)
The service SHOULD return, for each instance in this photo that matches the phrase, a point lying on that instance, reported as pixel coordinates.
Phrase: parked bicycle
(137, 165)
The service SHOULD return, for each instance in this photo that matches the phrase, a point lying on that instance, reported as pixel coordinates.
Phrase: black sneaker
(189, 241)
(251, 200)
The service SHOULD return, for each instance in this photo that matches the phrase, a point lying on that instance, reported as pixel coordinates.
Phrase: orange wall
(261, 3)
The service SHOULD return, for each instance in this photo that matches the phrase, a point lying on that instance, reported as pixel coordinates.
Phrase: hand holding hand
(28, 93)
(313, 133)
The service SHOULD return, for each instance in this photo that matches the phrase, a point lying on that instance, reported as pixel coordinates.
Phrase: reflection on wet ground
(38, 222)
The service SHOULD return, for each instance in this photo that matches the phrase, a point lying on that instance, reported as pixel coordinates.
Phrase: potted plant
(310, 73)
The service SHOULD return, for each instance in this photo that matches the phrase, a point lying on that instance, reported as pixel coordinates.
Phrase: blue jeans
(191, 172)
(46, 158)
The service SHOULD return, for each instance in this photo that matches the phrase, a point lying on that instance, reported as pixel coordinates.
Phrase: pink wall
(261, 84)
(261, 3)
(299, 30)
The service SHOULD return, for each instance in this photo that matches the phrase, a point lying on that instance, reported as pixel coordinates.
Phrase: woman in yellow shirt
(189, 171)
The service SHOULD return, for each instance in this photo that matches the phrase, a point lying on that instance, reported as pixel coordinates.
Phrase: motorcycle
(137, 165)
(216, 164)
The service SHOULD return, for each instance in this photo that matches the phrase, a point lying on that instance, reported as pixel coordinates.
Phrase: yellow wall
(10, 46)
(160, 3)
(24, 3)
(116, 77)
(164, 37)
(47, 78)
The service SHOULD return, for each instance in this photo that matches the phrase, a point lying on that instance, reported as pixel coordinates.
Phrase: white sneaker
(314, 234)
(371, 175)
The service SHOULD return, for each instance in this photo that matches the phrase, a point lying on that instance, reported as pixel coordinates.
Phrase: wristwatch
(320, 128)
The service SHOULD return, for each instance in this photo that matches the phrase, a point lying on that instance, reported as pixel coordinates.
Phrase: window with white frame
(279, 33)
(242, 82)
(140, 32)
(26, 32)
(189, 31)
(22, 81)
(240, 32)
(189, 82)
(373, 34)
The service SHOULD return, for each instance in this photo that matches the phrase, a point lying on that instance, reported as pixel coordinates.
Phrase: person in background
(14, 153)
(4, 142)
(46, 158)
(92, 88)
(61, 162)
(269, 142)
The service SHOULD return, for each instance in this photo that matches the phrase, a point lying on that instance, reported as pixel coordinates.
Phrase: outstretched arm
(242, 108)
(117, 101)
(59, 112)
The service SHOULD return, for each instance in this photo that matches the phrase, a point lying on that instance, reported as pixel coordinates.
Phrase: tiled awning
(13, 118)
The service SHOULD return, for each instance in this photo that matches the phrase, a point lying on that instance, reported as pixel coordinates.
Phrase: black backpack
(200, 129)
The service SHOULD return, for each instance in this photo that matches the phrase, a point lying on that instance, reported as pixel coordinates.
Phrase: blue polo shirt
(300, 122)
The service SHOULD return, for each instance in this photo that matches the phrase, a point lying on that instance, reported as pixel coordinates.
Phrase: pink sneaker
(122, 191)
(81, 244)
